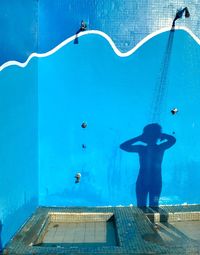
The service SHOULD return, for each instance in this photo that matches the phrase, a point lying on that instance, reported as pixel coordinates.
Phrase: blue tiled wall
(18, 147)
(118, 97)
(19, 26)
(39, 25)
(88, 82)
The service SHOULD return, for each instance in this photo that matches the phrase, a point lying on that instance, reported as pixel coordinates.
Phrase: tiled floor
(190, 229)
(165, 230)
(178, 232)
(83, 232)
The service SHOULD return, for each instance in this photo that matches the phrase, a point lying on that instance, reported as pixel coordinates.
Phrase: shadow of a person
(149, 181)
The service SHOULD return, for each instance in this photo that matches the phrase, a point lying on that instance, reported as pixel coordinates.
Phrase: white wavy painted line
(108, 38)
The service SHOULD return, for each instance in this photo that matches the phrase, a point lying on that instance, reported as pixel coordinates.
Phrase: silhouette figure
(149, 181)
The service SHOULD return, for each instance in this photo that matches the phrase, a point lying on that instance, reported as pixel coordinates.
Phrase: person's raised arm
(129, 145)
(170, 141)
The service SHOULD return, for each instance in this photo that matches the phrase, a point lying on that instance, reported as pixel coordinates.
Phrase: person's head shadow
(151, 134)
(150, 146)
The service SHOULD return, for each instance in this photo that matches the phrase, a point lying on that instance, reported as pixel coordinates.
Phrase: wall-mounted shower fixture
(179, 14)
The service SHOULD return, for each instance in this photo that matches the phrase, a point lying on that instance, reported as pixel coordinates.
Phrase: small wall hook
(174, 111)
(77, 177)
(84, 146)
(84, 124)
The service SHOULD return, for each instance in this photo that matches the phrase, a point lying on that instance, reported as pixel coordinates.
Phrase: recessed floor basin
(179, 231)
(188, 228)
(80, 229)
